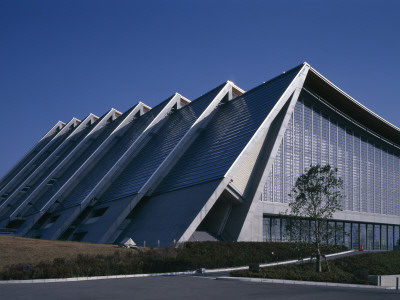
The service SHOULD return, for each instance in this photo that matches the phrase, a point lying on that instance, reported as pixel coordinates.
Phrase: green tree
(316, 195)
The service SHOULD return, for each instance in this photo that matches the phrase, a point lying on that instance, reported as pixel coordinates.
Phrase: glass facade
(368, 165)
(367, 235)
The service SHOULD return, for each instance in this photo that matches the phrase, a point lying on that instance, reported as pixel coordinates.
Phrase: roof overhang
(350, 107)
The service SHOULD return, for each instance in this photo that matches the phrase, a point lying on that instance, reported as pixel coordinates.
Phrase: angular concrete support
(73, 122)
(253, 221)
(112, 114)
(140, 109)
(188, 138)
(205, 210)
(170, 160)
(9, 175)
(176, 102)
(262, 131)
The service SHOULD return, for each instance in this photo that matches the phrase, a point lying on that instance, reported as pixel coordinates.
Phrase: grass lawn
(17, 250)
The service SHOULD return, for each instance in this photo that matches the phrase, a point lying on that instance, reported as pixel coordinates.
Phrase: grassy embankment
(352, 269)
(17, 250)
(55, 259)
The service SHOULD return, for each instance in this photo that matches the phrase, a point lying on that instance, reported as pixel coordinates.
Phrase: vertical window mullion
(312, 133)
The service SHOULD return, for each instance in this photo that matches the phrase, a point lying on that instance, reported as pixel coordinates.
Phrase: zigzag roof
(157, 173)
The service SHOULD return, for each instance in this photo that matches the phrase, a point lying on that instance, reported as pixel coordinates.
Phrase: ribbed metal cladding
(121, 144)
(38, 160)
(231, 128)
(50, 165)
(368, 165)
(26, 160)
(62, 176)
(156, 150)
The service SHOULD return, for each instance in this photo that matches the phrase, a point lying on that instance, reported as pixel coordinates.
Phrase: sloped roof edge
(351, 107)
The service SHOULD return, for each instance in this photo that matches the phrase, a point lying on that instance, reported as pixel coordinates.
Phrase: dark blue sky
(66, 58)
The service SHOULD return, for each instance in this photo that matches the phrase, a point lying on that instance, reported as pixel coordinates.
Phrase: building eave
(351, 107)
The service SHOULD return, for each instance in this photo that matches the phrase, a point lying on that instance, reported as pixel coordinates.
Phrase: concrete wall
(384, 280)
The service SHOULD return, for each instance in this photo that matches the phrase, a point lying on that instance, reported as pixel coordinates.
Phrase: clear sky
(68, 58)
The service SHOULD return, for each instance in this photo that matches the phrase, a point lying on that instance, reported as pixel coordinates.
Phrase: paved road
(184, 287)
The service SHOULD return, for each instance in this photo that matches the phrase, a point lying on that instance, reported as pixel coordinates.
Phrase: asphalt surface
(184, 287)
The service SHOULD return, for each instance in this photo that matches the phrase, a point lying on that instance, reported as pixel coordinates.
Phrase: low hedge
(304, 272)
(351, 269)
(223, 254)
(189, 256)
(380, 263)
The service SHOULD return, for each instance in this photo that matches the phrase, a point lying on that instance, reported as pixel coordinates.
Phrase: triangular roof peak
(145, 106)
(235, 89)
(183, 99)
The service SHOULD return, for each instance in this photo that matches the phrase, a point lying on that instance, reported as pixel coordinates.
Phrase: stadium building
(219, 167)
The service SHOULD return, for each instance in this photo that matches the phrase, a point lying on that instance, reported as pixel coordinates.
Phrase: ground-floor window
(369, 236)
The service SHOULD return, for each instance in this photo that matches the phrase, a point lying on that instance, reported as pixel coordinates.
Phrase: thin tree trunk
(317, 243)
(319, 268)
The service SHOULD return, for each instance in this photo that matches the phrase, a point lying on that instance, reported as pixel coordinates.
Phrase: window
(355, 234)
(52, 181)
(66, 234)
(99, 212)
(53, 219)
(26, 188)
(15, 224)
(377, 237)
(77, 237)
(96, 214)
(275, 229)
(351, 234)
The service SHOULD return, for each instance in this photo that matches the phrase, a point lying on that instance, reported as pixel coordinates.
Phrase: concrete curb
(71, 279)
(161, 274)
(298, 282)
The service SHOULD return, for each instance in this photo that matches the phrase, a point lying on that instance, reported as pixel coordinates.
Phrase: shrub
(343, 270)
(188, 256)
